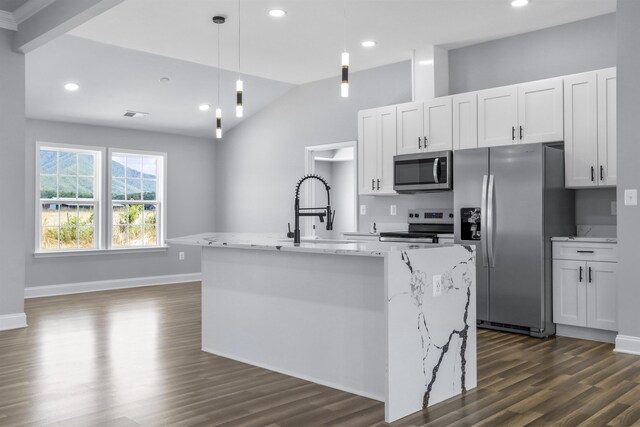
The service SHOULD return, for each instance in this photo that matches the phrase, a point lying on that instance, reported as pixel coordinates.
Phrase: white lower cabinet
(584, 290)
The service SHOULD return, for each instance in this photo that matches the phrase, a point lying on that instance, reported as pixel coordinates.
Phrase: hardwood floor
(132, 357)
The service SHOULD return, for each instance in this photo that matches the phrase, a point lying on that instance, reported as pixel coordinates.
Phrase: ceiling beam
(7, 21)
(56, 19)
(30, 8)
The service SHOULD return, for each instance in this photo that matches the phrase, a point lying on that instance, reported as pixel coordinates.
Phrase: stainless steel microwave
(423, 172)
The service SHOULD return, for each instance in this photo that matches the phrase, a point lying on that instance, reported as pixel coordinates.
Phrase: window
(69, 201)
(136, 199)
(71, 213)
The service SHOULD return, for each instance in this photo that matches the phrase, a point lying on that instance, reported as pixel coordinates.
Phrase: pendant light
(344, 86)
(239, 81)
(219, 20)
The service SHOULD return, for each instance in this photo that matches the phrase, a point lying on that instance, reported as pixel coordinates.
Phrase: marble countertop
(279, 242)
(585, 239)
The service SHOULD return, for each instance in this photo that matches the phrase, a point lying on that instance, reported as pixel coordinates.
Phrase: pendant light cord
(238, 39)
(218, 66)
(344, 24)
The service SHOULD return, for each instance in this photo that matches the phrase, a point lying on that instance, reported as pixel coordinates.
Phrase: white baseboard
(13, 321)
(585, 333)
(105, 285)
(627, 344)
(348, 389)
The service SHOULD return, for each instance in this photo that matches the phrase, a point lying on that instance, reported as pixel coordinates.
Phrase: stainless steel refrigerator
(509, 201)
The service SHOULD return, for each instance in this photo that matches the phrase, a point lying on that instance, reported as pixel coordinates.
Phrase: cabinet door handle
(593, 174)
(521, 130)
(373, 184)
(378, 184)
(513, 133)
(590, 275)
(426, 142)
(420, 142)
(601, 173)
(585, 252)
(580, 275)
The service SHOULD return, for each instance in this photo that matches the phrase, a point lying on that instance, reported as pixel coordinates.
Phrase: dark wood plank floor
(132, 357)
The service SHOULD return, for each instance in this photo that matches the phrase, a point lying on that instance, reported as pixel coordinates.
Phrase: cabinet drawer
(585, 251)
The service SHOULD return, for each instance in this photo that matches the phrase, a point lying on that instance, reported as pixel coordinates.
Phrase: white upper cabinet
(438, 124)
(590, 129)
(376, 148)
(410, 128)
(607, 169)
(465, 121)
(540, 115)
(424, 126)
(497, 116)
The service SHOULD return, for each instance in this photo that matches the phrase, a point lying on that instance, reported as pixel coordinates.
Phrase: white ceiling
(11, 5)
(306, 44)
(119, 56)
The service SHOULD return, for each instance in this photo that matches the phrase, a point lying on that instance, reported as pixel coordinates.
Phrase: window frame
(97, 200)
(161, 191)
(103, 214)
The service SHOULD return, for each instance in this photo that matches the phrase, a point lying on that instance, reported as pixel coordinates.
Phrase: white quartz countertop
(585, 239)
(279, 242)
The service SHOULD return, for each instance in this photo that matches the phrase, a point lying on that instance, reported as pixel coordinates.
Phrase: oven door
(423, 172)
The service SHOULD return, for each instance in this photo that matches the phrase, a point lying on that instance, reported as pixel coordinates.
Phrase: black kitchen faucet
(311, 211)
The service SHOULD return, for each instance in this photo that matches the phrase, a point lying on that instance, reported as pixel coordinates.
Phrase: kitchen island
(391, 321)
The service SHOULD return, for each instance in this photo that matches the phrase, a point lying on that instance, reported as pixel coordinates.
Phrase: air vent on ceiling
(135, 114)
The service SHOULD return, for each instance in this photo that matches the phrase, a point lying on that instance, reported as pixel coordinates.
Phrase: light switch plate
(393, 210)
(437, 285)
(631, 197)
(363, 209)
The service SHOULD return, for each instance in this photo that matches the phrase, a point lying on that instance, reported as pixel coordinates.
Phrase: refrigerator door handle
(490, 221)
(435, 171)
(483, 222)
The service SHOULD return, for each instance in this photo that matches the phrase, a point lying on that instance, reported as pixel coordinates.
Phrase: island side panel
(318, 317)
(431, 330)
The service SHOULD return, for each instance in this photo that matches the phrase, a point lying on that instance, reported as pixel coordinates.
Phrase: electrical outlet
(181, 256)
(437, 285)
(631, 197)
(393, 210)
(614, 208)
(363, 209)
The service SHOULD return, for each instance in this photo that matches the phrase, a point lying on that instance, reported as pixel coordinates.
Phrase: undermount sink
(321, 241)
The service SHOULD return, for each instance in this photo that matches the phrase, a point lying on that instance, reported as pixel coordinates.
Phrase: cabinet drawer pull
(590, 275)
(585, 252)
(373, 184)
(513, 133)
(593, 176)
(420, 142)
(580, 275)
(378, 184)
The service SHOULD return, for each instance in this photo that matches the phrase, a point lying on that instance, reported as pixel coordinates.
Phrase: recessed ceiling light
(519, 3)
(368, 43)
(277, 13)
(165, 79)
(204, 107)
(72, 87)
(426, 62)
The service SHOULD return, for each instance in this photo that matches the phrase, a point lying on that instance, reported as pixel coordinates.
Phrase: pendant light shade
(218, 123)
(344, 87)
(239, 98)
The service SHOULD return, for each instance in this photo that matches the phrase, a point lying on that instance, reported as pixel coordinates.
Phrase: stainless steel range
(425, 226)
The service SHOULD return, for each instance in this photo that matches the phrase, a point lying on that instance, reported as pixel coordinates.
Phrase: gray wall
(566, 49)
(12, 128)
(190, 203)
(259, 162)
(571, 48)
(628, 171)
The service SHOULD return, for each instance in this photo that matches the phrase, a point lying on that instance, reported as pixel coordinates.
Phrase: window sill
(119, 251)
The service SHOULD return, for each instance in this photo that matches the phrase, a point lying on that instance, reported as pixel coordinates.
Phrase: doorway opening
(337, 164)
